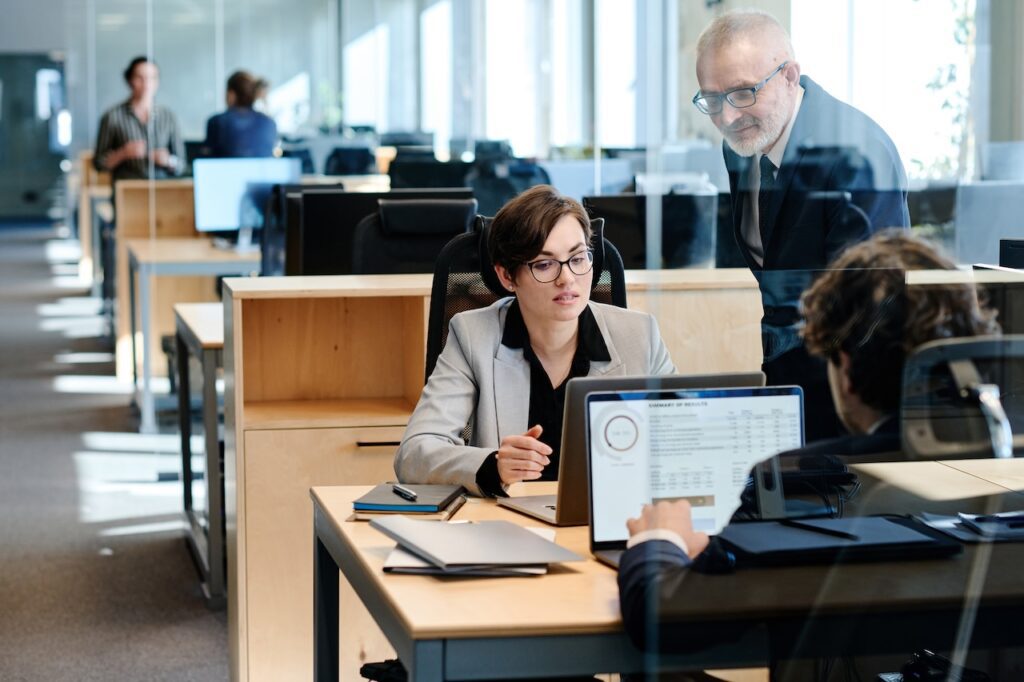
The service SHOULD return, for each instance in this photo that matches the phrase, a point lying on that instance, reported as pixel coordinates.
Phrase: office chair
(464, 279)
(350, 161)
(406, 236)
(496, 180)
(964, 397)
(304, 156)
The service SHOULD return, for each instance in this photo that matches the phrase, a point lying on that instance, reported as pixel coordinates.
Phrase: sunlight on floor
(75, 327)
(68, 383)
(72, 358)
(113, 486)
(144, 528)
(63, 251)
(132, 442)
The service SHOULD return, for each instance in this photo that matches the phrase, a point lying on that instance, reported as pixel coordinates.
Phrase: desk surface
(580, 598)
(419, 284)
(1008, 473)
(205, 321)
(178, 250)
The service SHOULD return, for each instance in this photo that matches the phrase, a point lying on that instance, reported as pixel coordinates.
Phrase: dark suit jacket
(885, 439)
(833, 148)
(652, 573)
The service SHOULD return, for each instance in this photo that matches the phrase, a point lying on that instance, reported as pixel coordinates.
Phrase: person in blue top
(241, 131)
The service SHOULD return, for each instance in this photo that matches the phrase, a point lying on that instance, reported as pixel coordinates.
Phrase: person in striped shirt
(138, 138)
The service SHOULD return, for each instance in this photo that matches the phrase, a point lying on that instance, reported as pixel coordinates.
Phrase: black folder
(867, 538)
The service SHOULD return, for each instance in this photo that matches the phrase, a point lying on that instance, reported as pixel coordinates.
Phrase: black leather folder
(816, 541)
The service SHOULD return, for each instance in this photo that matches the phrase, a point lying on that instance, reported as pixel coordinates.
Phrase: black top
(547, 402)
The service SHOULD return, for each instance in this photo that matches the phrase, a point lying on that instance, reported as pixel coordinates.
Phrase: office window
(916, 88)
(615, 66)
(513, 101)
(436, 72)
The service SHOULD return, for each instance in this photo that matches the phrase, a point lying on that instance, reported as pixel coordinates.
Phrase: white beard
(771, 128)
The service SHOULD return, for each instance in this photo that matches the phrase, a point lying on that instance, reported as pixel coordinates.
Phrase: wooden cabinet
(321, 377)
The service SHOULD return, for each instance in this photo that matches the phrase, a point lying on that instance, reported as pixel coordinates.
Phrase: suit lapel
(614, 366)
(511, 391)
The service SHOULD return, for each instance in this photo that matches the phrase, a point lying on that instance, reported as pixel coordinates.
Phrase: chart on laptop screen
(693, 445)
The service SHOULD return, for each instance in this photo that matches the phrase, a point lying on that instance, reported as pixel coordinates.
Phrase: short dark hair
(246, 87)
(863, 307)
(521, 227)
(130, 71)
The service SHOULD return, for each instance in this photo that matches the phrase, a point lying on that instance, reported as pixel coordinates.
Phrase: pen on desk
(810, 527)
(403, 492)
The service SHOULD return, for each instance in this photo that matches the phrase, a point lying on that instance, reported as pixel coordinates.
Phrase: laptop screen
(698, 445)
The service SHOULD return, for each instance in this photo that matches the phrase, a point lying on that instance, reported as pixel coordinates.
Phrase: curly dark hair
(863, 307)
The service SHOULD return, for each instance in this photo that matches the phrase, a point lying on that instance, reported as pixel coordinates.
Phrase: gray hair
(733, 24)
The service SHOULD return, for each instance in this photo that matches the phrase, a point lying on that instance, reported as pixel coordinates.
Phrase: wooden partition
(154, 209)
(321, 375)
(91, 182)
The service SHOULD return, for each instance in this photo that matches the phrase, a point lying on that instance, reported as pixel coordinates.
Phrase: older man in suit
(808, 175)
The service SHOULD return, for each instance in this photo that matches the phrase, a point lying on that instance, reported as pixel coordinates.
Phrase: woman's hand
(522, 458)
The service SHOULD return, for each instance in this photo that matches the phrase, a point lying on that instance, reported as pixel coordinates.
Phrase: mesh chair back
(464, 279)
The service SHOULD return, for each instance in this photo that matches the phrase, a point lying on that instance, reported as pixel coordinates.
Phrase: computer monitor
(323, 243)
(689, 224)
(422, 173)
(232, 194)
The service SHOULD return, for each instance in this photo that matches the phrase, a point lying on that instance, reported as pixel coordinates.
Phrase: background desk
(568, 621)
(149, 259)
(321, 375)
(199, 333)
(154, 210)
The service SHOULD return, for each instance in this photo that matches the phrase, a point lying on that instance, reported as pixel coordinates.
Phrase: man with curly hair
(864, 320)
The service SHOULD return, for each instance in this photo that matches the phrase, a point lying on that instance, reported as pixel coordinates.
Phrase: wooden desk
(93, 185)
(152, 258)
(152, 209)
(200, 334)
(321, 375)
(568, 621)
(1008, 473)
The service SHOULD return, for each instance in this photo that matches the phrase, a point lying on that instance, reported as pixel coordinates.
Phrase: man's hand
(162, 158)
(133, 149)
(674, 516)
(522, 458)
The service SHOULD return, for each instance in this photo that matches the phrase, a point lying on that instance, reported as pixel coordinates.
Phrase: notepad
(429, 499)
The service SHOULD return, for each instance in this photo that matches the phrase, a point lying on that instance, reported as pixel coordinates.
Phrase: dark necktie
(764, 195)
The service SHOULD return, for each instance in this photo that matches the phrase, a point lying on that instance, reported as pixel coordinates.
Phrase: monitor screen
(231, 194)
(689, 228)
(699, 445)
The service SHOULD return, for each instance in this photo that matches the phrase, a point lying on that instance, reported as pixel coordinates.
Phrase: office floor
(95, 580)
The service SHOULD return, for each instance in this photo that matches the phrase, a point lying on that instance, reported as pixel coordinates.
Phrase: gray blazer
(479, 382)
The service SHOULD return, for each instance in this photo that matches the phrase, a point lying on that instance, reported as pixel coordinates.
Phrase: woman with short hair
(504, 368)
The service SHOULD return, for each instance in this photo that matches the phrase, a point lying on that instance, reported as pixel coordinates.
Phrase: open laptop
(570, 507)
(698, 445)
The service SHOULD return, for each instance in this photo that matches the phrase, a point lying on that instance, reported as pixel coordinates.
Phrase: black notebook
(429, 498)
(868, 538)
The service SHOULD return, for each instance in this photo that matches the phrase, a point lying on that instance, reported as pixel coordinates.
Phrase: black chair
(495, 182)
(350, 161)
(304, 156)
(464, 279)
(406, 236)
